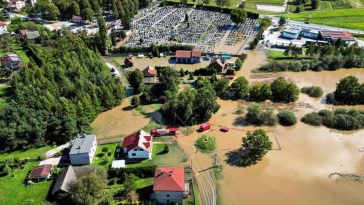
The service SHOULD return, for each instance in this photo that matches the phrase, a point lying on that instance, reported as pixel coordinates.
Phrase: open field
(345, 18)
(32, 153)
(14, 192)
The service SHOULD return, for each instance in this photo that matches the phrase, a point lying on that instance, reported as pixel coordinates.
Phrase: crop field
(345, 18)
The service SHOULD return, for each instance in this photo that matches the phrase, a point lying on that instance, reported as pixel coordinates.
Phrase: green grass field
(13, 191)
(345, 18)
(29, 154)
(101, 158)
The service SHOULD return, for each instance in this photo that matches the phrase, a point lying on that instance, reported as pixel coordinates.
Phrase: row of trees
(321, 57)
(341, 119)
(57, 96)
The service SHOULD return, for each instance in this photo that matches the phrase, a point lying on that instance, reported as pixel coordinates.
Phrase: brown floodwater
(297, 170)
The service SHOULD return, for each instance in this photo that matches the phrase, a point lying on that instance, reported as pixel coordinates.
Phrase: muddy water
(298, 170)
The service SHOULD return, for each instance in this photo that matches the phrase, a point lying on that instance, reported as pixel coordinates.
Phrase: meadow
(345, 18)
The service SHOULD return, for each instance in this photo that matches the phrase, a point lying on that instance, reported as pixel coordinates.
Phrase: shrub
(257, 116)
(238, 64)
(109, 154)
(230, 71)
(140, 172)
(313, 91)
(287, 118)
(206, 143)
(105, 149)
(312, 119)
(135, 101)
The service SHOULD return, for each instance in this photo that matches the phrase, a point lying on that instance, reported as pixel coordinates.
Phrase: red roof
(76, 17)
(337, 34)
(150, 71)
(183, 54)
(2, 23)
(41, 171)
(169, 179)
(139, 139)
(196, 53)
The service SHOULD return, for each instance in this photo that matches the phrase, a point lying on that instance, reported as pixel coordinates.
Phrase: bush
(257, 116)
(109, 154)
(313, 91)
(287, 118)
(206, 143)
(140, 172)
(312, 119)
(238, 64)
(230, 71)
(105, 149)
(135, 101)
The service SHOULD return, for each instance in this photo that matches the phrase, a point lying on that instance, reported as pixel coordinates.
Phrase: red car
(224, 129)
(204, 126)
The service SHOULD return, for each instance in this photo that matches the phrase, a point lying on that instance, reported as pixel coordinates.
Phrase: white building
(138, 145)
(83, 149)
(3, 28)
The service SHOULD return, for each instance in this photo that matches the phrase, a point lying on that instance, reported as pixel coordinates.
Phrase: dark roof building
(219, 64)
(128, 62)
(64, 179)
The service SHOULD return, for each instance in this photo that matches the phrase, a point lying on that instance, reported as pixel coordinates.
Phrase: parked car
(224, 129)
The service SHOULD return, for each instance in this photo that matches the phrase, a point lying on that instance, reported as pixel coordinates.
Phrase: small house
(138, 145)
(219, 64)
(150, 75)
(41, 173)
(83, 149)
(78, 19)
(128, 62)
(3, 28)
(12, 61)
(187, 57)
(169, 185)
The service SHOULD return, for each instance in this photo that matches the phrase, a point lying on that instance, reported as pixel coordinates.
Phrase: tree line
(58, 95)
(320, 57)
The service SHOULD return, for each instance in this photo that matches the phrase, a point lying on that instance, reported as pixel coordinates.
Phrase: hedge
(141, 172)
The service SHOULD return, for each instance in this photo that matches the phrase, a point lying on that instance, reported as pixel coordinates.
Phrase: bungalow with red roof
(328, 35)
(185, 56)
(150, 75)
(41, 173)
(169, 185)
(3, 28)
(138, 145)
(12, 61)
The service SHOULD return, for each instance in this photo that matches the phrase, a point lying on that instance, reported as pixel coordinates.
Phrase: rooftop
(139, 139)
(337, 34)
(169, 179)
(82, 144)
(41, 171)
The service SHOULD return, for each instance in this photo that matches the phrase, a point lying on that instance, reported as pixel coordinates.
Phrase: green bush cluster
(287, 118)
(313, 91)
(206, 143)
(257, 116)
(140, 172)
(341, 119)
(349, 91)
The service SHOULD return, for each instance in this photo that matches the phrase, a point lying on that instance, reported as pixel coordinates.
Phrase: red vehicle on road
(204, 126)
(224, 129)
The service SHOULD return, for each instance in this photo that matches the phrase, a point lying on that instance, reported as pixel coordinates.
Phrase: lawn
(14, 192)
(32, 153)
(17, 50)
(103, 159)
(345, 18)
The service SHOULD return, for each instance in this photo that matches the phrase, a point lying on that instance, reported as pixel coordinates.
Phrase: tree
(102, 34)
(282, 21)
(135, 101)
(286, 118)
(223, 3)
(240, 88)
(347, 90)
(75, 9)
(221, 87)
(257, 116)
(87, 189)
(87, 13)
(45, 9)
(155, 50)
(315, 4)
(206, 2)
(260, 92)
(283, 91)
(129, 184)
(136, 80)
(238, 64)
(255, 145)
(238, 15)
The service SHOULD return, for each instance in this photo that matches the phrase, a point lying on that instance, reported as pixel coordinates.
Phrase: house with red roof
(3, 28)
(329, 35)
(12, 61)
(150, 75)
(138, 145)
(169, 185)
(41, 173)
(186, 56)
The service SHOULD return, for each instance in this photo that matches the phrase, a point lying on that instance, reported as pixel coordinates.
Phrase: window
(167, 195)
(133, 154)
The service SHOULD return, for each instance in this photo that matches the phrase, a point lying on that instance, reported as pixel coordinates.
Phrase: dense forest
(57, 95)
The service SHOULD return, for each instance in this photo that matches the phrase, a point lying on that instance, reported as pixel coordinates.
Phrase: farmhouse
(41, 173)
(335, 35)
(3, 28)
(83, 149)
(138, 145)
(12, 61)
(185, 56)
(169, 185)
